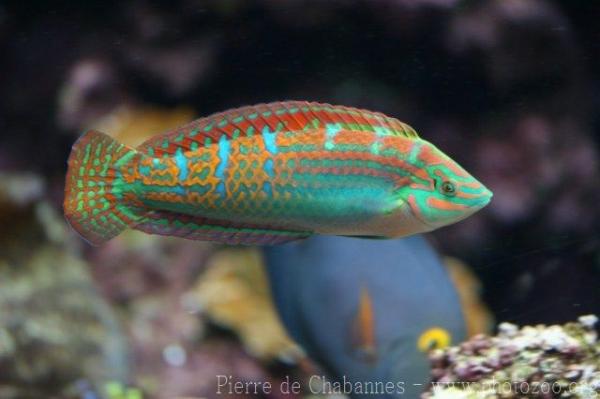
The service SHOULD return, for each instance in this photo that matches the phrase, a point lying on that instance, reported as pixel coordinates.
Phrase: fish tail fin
(100, 201)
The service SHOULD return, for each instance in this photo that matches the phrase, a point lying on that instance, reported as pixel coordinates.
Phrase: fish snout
(474, 196)
(485, 197)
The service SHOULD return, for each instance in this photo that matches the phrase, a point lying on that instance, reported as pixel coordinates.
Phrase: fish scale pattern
(295, 175)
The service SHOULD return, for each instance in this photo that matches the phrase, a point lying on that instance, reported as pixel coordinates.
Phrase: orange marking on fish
(445, 205)
(352, 137)
(418, 186)
(466, 195)
(429, 157)
(412, 201)
(364, 327)
(400, 144)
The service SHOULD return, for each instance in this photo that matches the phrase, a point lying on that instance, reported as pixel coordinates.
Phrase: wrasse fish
(268, 174)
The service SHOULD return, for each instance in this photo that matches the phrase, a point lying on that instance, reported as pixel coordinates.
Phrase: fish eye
(434, 338)
(448, 189)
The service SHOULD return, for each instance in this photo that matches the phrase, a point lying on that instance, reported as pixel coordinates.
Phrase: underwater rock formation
(55, 329)
(531, 362)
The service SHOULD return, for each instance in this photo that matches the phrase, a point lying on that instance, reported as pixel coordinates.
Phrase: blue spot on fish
(200, 188)
(221, 189)
(268, 188)
(269, 140)
(181, 162)
(224, 148)
(331, 130)
(178, 190)
(269, 168)
(144, 170)
(376, 147)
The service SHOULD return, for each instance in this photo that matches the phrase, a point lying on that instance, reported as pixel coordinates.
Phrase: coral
(530, 362)
(234, 293)
(54, 327)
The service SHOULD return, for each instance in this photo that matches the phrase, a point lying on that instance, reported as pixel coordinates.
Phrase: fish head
(440, 191)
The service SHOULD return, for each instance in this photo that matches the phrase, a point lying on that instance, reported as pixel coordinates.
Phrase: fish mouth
(476, 204)
(485, 198)
(460, 211)
(475, 199)
(478, 198)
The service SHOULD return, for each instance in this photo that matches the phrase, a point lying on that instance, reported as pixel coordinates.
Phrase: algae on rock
(530, 362)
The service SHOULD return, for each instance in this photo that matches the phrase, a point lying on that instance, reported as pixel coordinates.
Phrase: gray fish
(366, 310)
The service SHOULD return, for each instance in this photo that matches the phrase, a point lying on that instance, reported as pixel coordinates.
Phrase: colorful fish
(268, 174)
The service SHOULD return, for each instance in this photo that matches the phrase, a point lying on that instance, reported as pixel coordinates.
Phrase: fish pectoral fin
(223, 231)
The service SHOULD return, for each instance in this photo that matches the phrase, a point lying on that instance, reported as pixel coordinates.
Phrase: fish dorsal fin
(285, 116)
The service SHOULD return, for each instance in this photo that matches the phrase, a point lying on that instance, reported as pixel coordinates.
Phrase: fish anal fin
(204, 229)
